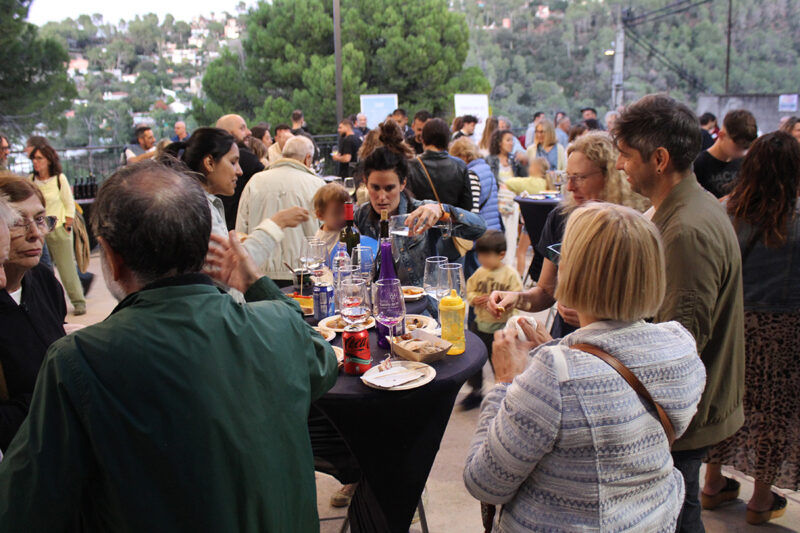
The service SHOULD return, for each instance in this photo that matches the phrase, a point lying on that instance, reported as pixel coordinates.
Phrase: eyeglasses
(43, 224)
(538, 131)
(580, 178)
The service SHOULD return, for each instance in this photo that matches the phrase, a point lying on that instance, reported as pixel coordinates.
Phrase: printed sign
(377, 107)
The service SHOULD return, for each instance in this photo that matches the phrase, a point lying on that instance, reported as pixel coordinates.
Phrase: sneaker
(80, 309)
(342, 497)
(472, 401)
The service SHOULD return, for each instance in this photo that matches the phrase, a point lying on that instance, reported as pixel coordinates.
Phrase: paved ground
(449, 506)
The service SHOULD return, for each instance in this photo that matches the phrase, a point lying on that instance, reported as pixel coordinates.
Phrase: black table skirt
(395, 436)
(534, 214)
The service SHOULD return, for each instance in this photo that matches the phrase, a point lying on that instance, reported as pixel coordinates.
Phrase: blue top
(488, 201)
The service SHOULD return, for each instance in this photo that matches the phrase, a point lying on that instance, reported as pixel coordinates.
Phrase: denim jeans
(688, 463)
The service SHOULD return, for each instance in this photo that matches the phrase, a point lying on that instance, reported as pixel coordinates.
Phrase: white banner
(377, 107)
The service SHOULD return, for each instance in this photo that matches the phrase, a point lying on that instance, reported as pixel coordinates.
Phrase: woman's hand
(229, 263)
(510, 355)
(502, 301)
(68, 223)
(570, 316)
(291, 217)
(423, 218)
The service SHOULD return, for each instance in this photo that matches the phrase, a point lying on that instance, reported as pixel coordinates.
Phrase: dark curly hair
(49, 153)
(765, 192)
(497, 140)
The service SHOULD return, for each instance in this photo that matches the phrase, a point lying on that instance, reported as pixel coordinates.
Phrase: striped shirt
(569, 446)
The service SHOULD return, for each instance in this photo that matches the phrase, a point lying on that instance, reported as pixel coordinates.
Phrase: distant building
(114, 96)
(543, 12)
(78, 65)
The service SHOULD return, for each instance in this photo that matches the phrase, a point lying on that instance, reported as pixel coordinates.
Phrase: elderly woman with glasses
(32, 305)
(591, 175)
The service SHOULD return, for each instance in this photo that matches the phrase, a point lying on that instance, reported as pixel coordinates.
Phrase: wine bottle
(385, 270)
(349, 234)
(384, 234)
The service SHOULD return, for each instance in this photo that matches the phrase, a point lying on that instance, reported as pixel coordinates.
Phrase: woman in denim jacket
(385, 173)
(765, 211)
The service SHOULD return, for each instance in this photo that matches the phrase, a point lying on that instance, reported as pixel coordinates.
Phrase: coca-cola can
(357, 357)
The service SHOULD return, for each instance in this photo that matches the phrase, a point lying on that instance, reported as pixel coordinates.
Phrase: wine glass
(452, 279)
(388, 306)
(350, 186)
(315, 258)
(354, 301)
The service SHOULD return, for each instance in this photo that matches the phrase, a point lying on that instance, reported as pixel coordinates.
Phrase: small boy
(328, 204)
(493, 275)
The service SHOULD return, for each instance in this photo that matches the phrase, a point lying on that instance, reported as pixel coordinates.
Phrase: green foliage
(415, 49)
(559, 63)
(34, 87)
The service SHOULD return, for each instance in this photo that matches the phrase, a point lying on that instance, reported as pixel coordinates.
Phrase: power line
(662, 58)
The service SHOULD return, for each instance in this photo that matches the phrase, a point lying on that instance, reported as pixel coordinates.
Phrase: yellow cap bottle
(451, 313)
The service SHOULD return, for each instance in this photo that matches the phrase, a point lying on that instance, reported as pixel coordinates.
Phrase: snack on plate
(419, 346)
(412, 291)
(414, 323)
(325, 332)
(306, 303)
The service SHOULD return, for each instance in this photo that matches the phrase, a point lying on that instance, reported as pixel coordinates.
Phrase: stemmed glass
(315, 258)
(452, 279)
(388, 306)
(354, 301)
(350, 186)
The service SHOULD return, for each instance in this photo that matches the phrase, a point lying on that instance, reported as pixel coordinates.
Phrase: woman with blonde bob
(545, 144)
(562, 438)
(591, 175)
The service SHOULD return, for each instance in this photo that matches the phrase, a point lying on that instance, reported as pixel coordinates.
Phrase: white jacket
(286, 183)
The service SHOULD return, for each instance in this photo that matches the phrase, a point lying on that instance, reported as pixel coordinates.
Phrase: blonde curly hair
(598, 147)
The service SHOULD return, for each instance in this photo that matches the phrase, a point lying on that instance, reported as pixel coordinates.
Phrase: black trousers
(688, 462)
(476, 381)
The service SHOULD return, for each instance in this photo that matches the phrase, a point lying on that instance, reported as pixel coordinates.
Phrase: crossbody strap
(445, 214)
(633, 381)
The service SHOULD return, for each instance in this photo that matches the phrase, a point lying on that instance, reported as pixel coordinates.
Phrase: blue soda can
(324, 304)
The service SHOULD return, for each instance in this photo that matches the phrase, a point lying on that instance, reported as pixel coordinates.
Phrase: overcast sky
(43, 11)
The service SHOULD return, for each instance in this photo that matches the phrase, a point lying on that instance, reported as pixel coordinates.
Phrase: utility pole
(728, 56)
(617, 92)
(337, 51)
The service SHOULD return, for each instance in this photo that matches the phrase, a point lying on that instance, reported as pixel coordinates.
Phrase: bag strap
(633, 381)
(430, 181)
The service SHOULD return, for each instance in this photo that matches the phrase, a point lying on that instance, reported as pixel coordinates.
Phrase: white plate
(413, 297)
(339, 354)
(325, 323)
(428, 373)
(327, 334)
(428, 323)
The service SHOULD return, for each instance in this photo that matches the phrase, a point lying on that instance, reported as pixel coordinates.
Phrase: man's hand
(423, 218)
(501, 301)
(68, 221)
(229, 263)
(291, 217)
(570, 316)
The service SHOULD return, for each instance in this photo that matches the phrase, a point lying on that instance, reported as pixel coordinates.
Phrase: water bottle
(341, 260)
(451, 313)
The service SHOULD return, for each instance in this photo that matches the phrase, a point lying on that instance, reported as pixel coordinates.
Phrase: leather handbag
(634, 382)
(81, 242)
(462, 245)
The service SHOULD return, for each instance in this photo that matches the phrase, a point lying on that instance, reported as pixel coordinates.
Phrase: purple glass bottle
(384, 266)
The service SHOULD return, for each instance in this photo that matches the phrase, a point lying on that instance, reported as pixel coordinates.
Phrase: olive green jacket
(704, 293)
(183, 411)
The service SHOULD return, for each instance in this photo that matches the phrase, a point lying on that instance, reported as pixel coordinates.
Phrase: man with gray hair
(288, 182)
(183, 411)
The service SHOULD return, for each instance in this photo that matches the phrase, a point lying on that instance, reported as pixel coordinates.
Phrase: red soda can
(357, 357)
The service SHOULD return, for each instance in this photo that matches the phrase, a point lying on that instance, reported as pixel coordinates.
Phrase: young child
(536, 181)
(329, 203)
(493, 275)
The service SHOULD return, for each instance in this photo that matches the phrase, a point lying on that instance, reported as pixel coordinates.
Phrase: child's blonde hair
(325, 195)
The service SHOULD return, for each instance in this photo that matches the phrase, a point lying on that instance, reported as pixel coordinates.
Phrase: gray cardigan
(569, 445)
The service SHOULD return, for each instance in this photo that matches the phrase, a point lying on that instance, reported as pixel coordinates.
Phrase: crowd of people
(671, 262)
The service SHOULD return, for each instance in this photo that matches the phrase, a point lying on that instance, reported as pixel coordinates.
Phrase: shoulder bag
(488, 510)
(462, 245)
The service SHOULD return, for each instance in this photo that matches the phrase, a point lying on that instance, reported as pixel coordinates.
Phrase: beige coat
(286, 183)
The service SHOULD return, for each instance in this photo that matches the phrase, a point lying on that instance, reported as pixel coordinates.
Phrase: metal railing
(101, 161)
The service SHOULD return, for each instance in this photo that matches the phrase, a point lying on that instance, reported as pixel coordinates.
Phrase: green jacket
(183, 411)
(704, 293)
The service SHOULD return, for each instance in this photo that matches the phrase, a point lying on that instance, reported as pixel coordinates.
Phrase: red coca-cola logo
(356, 343)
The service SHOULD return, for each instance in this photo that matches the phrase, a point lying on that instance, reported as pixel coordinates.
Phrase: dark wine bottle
(92, 186)
(349, 234)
